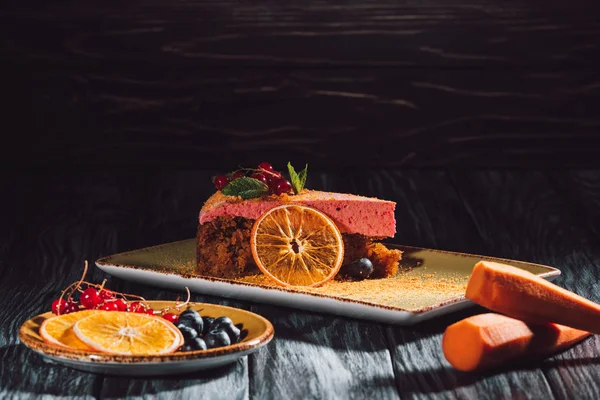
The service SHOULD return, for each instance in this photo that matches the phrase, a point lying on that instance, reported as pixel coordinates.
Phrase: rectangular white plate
(433, 286)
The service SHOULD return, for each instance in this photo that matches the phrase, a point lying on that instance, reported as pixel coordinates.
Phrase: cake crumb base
(223, 250)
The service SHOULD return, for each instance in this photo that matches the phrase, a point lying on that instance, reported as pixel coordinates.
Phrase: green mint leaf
(294, 178)
(302, 176)
(298, 180)
(246, 188)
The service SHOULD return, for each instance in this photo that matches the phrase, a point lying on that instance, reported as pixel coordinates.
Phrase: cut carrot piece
(526, 296)
(489, 340)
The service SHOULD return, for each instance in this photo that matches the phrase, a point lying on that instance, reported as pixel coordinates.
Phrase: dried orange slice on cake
(59, 330)
(128, 333)
(297, 246)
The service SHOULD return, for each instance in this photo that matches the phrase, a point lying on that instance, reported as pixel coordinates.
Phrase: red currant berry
(71, 307)
(171, 317)
(59, 310)
(274, 177)
(260, 177)
(221, 181)
(272, 181)
(109, 306)
(90, 298)
(137, 307)
(150, 311)
(237, 174)
(106, 294)
(121, 304)
(283, 186)
(266, 166)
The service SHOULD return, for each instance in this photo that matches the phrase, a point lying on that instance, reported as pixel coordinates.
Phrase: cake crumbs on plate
(406, 290)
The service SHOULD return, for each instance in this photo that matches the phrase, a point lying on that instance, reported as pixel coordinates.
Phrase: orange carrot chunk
(490, 340)
(526, 296)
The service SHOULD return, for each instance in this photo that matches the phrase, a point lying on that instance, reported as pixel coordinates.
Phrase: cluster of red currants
(104, 299)
(265, 173)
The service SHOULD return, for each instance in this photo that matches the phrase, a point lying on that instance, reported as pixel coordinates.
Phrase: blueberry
(198, 344)
(216, 338)
(222, 321)
(208, 321)
(192, 319)
(187, 332)
(243, 332)
(358, 270)
(226, 324)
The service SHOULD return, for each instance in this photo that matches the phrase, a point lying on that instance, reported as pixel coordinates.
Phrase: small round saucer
(260, 332)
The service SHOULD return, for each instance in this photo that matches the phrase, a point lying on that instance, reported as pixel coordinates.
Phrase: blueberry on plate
(216, 338)
(208, 322)
(222, 321)
(226, 324)
(187, 332)
(192, 319)
(358, 270)
(186, 347)
(197, 343)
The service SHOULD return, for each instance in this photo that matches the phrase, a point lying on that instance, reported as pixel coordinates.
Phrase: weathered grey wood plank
(87, 214)
(523, 216)
(321, 357)
(83, 217)
(579, 191)
(432, 211)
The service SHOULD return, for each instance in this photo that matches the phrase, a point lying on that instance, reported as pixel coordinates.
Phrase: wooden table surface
(119, 112)
(53, 220)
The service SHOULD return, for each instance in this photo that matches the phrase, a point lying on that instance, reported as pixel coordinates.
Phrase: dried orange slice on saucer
(59, 330)
(128, 333)
(297, 246)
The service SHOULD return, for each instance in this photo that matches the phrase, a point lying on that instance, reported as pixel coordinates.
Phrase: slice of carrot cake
(227, 217)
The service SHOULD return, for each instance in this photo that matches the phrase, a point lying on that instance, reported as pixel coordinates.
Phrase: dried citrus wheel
(59, 330)
(128, 333)
(297, 246)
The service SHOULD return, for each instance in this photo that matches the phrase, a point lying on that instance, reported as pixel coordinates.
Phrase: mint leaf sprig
(249, 183)
(298, 179)
(246, 188)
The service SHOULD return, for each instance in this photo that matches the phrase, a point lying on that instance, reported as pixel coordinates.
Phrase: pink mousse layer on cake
(366, 216)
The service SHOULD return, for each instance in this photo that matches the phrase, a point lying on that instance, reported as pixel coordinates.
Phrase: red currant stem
(97, 286)
(71, 289)
(187, 301)
(85, 269)
(62, 295)
(274, 174)
(177, 306)
(130, 297)
(124, 296)
(76, 286)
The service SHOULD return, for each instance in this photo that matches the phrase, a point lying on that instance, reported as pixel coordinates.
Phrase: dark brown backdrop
(206, 84)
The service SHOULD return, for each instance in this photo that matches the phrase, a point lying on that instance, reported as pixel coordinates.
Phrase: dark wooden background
(478, 117)
(203, 84)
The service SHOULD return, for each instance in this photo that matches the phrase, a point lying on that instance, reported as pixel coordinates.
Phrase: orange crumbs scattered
(407, 290)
